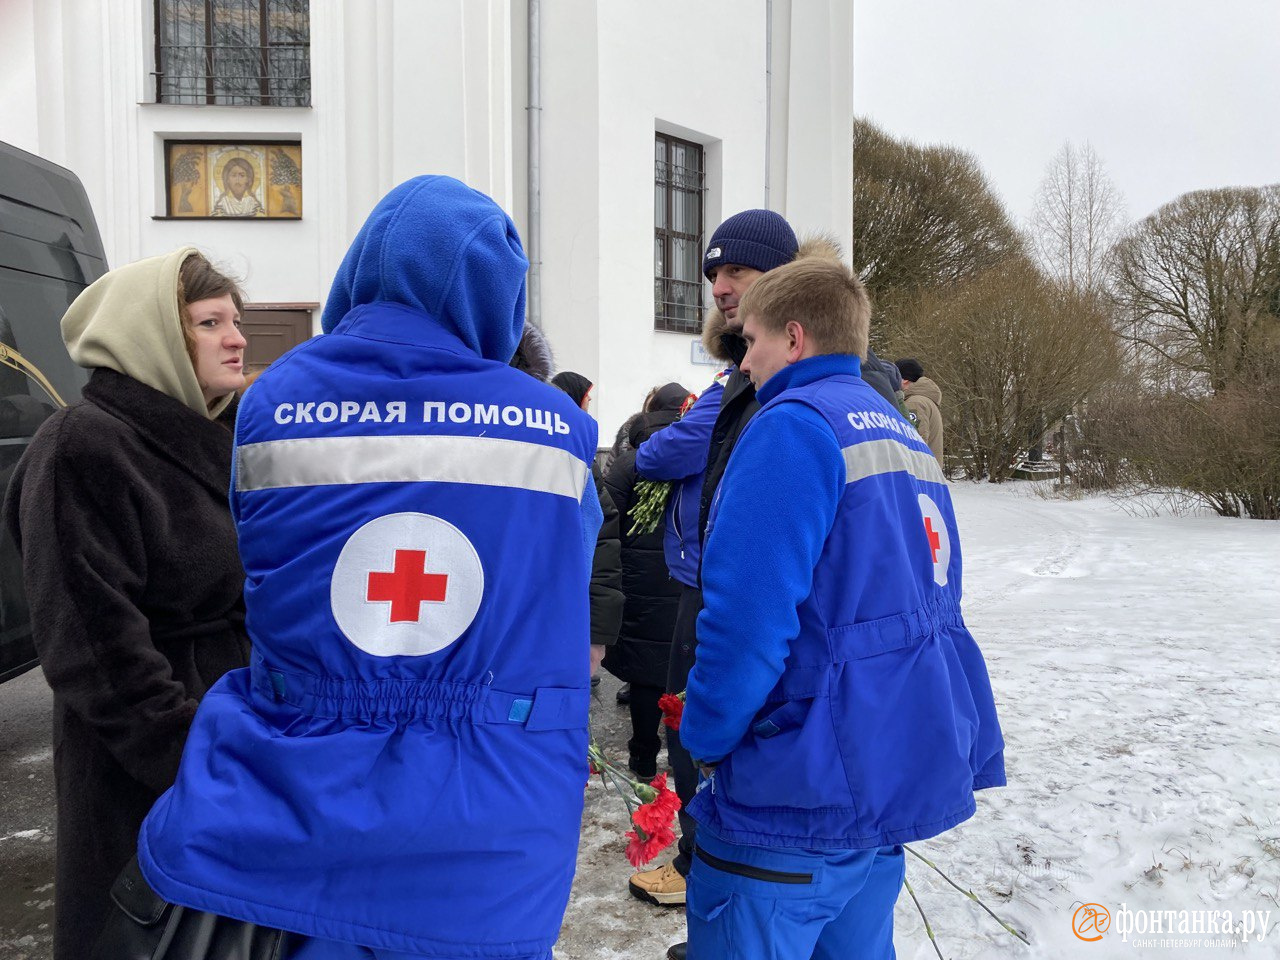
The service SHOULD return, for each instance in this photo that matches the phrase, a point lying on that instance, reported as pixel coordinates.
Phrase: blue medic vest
(403, 764)
(883, 723)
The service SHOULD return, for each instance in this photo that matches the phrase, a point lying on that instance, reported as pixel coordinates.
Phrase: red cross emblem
(362, 587)
(935, 541)
(408, 586)
(937, 536)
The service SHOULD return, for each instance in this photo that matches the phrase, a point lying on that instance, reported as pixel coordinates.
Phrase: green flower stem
(649, 506)
(613, 775)
(970, 894)
(927, 928)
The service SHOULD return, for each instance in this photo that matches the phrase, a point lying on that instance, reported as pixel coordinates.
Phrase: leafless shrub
(1221, 449)
(1013, 353)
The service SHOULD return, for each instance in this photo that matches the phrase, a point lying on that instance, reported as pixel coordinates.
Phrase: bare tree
(1198, 282)
(1078, 218)
(1014, 353)
(923, 218)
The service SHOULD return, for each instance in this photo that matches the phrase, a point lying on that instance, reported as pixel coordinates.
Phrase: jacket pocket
(786, 761)
(909, 721)
(786, 717)
(706, 902)
(752, 872)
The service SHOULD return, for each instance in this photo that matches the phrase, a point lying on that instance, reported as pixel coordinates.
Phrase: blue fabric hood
(436, 245)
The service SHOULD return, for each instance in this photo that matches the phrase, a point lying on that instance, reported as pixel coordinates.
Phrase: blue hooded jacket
(401, 767)
(679, 454)
(848, 703)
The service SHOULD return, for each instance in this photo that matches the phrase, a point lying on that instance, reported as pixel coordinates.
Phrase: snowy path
(1134, 661)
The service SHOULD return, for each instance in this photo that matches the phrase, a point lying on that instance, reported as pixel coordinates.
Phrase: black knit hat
(910, 368)
(760, 239)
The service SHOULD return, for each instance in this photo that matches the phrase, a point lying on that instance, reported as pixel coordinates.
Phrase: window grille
(234, 52)
(679, 184)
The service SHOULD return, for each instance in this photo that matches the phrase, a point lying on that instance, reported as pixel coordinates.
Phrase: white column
(574, 267)
(819, 191)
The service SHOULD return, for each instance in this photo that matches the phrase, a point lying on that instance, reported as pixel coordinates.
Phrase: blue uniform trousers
(309, 948)
(750, 903)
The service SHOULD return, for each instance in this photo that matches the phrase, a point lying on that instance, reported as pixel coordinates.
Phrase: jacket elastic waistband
(856, 640)
(867, 638)
(546, 708)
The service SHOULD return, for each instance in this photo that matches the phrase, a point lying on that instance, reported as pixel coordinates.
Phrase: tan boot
(663, 886)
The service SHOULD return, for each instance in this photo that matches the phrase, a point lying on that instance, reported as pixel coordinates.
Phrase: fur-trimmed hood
(533, 354)
(816, 246)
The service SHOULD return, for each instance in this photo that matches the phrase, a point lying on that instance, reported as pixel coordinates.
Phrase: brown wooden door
(272, 331)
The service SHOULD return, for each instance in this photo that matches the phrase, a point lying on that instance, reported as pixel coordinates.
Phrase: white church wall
(402, 87)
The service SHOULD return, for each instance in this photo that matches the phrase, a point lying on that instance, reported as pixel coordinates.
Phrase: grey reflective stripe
(862, 460)
(488, 461)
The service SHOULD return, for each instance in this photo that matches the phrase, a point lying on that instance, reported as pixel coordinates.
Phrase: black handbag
(143, 926)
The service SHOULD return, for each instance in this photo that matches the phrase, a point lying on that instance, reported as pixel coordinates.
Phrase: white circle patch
(937, 538)
(405, 585)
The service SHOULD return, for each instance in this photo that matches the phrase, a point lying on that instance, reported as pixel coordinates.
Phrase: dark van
(49, 251)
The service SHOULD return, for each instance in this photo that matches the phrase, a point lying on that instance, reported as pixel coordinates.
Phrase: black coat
(649, 616)
(738, 405)
(606, 571)
(129, 557)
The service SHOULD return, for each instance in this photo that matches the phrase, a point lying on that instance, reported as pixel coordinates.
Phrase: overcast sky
(1174, 95)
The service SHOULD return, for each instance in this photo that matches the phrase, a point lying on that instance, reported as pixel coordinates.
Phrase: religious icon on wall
(242, 180)
(235, 188)
(186, 176)
(284, 195)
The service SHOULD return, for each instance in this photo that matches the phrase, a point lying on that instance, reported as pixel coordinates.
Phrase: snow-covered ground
(1134, 661)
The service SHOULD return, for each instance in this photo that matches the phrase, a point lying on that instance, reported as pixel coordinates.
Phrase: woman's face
(237, 180)
(586, 398)
(219, 363)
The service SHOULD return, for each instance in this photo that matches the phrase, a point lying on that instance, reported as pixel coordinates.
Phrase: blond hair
(823, 296)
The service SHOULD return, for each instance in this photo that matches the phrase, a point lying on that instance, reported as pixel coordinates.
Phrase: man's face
(238, 181)
(729, 282)
(768, 351)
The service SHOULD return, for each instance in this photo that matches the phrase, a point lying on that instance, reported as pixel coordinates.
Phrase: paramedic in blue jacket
(695, 452)
(399, 772)
(838, 704)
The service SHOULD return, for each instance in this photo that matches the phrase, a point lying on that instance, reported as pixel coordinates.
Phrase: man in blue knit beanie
(754, 242)
(838, 706)
(694, 453)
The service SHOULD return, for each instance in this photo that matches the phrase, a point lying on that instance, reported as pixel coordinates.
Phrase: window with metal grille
(678, 186)
(234, 52)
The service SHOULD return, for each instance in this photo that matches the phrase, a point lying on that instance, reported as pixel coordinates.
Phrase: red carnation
(672, 706)
(667, 799)
(650, 819)
(655, 816)
(640, 850)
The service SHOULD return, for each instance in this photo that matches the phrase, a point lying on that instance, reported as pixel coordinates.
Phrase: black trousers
(684, 643)
(646, 721)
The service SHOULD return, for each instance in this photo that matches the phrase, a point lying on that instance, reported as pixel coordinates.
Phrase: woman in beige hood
(119, 507)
